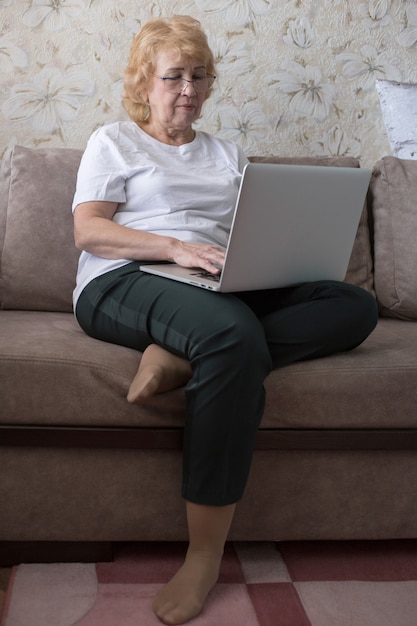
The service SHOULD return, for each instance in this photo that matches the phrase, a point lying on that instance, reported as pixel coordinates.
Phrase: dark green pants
(232, 342)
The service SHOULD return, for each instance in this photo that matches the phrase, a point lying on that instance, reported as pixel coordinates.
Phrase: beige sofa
(81, 468)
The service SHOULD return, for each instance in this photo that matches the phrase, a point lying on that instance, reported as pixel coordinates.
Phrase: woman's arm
(97, 233)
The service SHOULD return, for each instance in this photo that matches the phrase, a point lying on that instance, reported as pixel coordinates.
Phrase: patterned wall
(296, 77)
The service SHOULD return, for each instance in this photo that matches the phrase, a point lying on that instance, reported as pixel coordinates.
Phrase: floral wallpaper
(295, 77)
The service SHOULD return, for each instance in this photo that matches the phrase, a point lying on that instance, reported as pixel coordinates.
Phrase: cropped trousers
(232, 342)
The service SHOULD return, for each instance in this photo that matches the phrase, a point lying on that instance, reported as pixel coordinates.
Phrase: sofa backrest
(38, 261)
(393, 197)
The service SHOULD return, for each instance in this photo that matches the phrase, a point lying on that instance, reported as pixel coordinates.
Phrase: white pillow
(399, 110)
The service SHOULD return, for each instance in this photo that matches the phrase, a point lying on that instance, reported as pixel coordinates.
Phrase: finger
(210, 266)
(215, 255)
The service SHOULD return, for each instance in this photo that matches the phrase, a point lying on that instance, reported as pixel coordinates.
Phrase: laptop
(292, 224)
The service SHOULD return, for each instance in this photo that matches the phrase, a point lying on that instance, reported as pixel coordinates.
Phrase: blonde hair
(181, 34)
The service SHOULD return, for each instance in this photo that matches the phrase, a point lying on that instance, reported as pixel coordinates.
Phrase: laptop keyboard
(204, 274)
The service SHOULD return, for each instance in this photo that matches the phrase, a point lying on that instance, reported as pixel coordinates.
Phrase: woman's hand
(209, 258)
(97, 233)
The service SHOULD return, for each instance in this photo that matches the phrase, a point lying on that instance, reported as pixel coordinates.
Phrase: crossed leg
(307, 322)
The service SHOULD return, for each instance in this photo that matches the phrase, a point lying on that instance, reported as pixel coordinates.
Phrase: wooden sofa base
(167, 438)
(16, 552)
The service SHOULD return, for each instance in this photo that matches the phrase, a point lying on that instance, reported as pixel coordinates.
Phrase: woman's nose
(189, 84)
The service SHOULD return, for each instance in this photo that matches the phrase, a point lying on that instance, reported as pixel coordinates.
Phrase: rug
(261, 584)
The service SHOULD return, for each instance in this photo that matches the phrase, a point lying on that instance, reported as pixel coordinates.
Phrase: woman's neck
(170, 136)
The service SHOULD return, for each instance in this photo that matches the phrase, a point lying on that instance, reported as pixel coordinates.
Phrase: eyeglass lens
(179, 84)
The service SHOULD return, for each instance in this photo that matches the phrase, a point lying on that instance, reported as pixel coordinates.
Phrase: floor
(261, 584)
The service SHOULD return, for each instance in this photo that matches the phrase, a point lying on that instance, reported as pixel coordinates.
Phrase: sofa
(81, 468)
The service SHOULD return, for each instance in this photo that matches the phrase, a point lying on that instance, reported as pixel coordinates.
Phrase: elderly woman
(154, 189)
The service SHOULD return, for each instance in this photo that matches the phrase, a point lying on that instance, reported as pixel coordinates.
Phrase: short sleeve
(102, 172)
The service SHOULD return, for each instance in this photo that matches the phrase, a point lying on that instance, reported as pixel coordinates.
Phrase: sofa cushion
(360, 268)
(54, 375)
(39, 260)
(394, 204)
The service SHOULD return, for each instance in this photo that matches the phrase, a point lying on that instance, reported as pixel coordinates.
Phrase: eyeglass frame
(187, 82)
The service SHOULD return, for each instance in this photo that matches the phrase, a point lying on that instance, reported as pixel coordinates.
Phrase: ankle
(205, 553)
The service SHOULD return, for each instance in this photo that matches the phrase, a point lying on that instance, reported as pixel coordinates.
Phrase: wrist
(173, 248)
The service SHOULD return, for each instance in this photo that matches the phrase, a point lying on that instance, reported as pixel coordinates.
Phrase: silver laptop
(292, 224)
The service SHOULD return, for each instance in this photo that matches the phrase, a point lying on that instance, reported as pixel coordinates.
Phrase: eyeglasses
(177, 84)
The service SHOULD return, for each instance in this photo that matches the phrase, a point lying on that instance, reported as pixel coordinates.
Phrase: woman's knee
(361, 306)
(354, 313)
(235, 332)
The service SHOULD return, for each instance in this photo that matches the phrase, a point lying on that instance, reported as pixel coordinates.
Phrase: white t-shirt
(187, 192)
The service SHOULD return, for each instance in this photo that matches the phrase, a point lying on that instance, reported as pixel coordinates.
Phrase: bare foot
(159, 371)
(183, 597)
